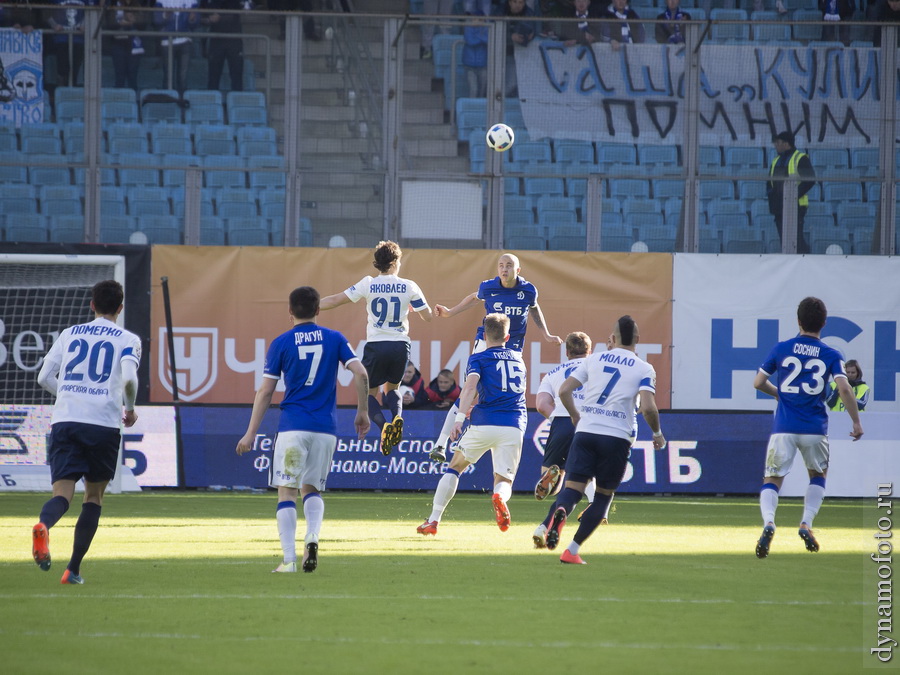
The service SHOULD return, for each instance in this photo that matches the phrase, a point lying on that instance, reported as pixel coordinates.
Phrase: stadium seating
(246, 108)
(578, 155)
(766, 26)
(729, 32)
(807, 32)
(658, 159)
(616, 158)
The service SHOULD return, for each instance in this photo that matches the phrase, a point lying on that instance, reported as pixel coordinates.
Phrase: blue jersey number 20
(99, 361)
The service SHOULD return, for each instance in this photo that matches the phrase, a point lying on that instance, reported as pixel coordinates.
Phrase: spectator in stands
(581, 32)
(670, 32)
(127, 50)
(790, 162)
(860, 389)
(225, 49)
(627, 28)
(19, 15)
(443, 390)
(838, 13)
(413, 387)
(177, 17)
(67, 23)
(519, 33)
(883, 11)
(474, 56)
(441, 7)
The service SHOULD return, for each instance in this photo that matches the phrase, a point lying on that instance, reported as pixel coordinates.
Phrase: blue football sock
(567, 499)
(85, 529)
(54, 509)
(375, 413)
(592, 516)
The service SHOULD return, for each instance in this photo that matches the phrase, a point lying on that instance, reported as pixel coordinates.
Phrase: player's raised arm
(261, 403)
(761, 382)
(849, 400)
(361, 380)
(466, 303)
(332, 301)
(466, 401)
(538, 317)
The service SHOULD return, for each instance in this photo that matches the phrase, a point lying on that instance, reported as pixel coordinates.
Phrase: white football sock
(768, 503)
(815, 495)
(504, 489)
(573, 548)
(449, 421)
(314, 511)
(445, 490)
(287, 532)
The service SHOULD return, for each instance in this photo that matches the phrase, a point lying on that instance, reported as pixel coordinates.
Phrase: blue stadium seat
(716, 189)
(253, 148)
(67, 229)
(124, 95)
(215, 140)
(205, 113)
(13, 174)
(658, 159)
(256, 134)
(726, 221)
(641, 205)
(864, 161)
(45, 145)
(842, 192)
(246, 108)
(477, 152)
(224, 171)
(659, 239)
(73, 138)
(709, 240)
(9, 139)
(807, 32)
(836, 160)
(17, 191)
(148, 201)
(69, 206)
(616, 158)
(767, 26)
(718, 207)
(629, 188)
(738, 239)
(575, 154)
(10, 207)
(847, 210)
(750, 190)
(536, 187)
(161, 229)
(267, 172)
(729, 32)
(48, 170)
(118, 111)
(175, 177)
(710, 158)
(668, 188)
(141, 169)
(745, 160)
(518, 219)
(26, 227)
(821, 238)
(534, 153)
(161, 105)
(116, 229)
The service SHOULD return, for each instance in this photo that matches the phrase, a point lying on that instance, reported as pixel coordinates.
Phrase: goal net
(40, 295)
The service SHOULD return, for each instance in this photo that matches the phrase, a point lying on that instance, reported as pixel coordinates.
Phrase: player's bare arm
(538, 317)
(568, 400)
(332, 301)
(129, 391)
(261, 403)
(427, 314)
(651, 417)
(466, 401)
(761, 382)
(849, 400)
(545, 404)
(466, 303)
(361, 380)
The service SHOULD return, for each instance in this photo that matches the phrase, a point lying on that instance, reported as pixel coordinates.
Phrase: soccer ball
(500, 137)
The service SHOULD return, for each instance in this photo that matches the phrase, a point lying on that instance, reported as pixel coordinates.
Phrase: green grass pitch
(181, 583)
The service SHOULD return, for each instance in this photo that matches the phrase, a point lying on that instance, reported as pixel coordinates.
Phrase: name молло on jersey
(618, 359)
(81, 389)
(806, 350)
(387, 288)
(96, 330)
(312, 336)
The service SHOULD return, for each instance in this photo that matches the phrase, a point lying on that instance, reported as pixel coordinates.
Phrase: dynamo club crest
(21, 77)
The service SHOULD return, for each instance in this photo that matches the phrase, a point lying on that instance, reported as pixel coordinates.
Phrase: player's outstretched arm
(332, 301)
(651, 417)
(466, 401)
(849, 400)
(466, 303)
(427, 314)
(761, 382)
(129, 391)
(538, 317)
(261, 403)
(568, 400)
(361, 380)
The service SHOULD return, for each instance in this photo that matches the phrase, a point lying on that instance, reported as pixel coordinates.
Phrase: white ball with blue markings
(500, 137)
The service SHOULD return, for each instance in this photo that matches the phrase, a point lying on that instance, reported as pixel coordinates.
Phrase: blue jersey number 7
(609, 385)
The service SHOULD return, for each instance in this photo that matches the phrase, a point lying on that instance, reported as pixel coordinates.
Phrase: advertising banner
(731, 310)
(829, 96)
(707, 453)
(228, 304)
(150, 447)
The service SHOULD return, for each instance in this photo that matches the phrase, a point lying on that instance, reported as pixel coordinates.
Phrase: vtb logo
(196, 360)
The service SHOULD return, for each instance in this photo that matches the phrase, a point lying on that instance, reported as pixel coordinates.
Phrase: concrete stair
(338, 175)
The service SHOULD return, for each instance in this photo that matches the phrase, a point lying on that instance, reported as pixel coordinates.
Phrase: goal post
(40, 296)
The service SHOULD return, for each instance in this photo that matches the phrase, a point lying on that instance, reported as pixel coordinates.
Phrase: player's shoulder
(524, 285)
(363, 284)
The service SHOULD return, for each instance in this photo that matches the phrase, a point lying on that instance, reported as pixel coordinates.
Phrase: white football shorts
(301, 458)
(505, 444)
(783, 447)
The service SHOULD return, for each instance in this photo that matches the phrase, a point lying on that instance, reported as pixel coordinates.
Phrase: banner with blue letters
(828, 95)
(731, 310)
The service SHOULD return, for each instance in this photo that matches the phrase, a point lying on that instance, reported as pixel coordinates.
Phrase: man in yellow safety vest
(789, 162)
